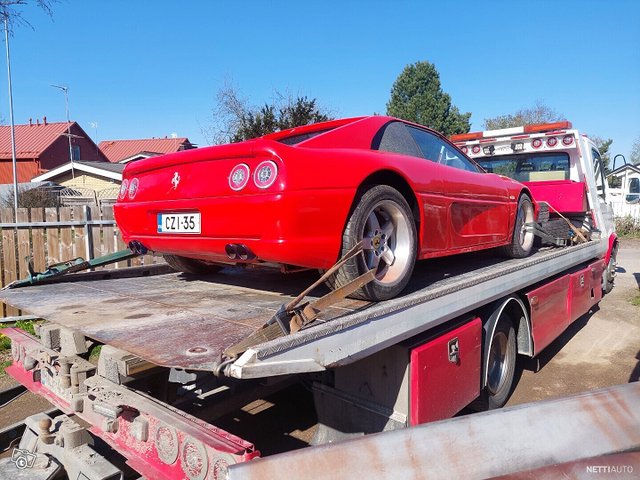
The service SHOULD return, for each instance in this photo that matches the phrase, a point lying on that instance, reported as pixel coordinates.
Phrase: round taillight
(464, 149)
(265, 174)
(536, 143)
(133, 188)
(239, 177)
(552, 141)
(475, 149)
(567, 140)
(123, 189)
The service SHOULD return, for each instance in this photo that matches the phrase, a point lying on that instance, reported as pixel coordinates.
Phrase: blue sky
(152, 68)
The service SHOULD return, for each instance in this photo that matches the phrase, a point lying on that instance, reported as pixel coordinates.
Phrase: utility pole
(13, 133)
(65, 90)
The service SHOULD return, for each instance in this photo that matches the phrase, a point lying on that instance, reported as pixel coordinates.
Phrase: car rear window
(301, 137)
(534, 167)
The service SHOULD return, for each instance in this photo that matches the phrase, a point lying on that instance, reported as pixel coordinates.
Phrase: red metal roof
(31, 140)
(26, 171)
(116, 150)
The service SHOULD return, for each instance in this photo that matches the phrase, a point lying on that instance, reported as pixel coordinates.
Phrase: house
(42, 146)
(624, 183)
(124, 151)
(85, 182)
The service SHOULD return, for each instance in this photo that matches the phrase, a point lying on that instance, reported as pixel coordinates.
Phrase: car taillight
(567, 140)
(265, 174)
(123, 189)
(536, 143)
(475, 149)
(552, 141)
(239, 177)
(133, 188)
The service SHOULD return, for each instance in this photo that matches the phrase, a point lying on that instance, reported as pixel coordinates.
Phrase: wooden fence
(53, 235)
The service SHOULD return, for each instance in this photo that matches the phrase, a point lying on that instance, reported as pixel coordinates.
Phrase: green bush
(628, 226)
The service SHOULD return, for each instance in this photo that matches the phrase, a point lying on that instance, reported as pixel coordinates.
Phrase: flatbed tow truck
(175, 354)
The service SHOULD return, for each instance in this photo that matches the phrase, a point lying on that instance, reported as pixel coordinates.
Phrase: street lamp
(65, 90)
(13, 133)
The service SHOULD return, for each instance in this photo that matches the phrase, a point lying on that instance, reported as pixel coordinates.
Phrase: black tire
(609, 273)
(190, 265)
(521, 240)
(383, 216)
(501, 367)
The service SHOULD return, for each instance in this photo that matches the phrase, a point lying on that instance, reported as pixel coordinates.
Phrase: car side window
(435, 149)
(394, 137)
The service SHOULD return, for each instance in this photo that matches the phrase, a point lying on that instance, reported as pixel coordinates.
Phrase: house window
(75, 152)
(633, 196)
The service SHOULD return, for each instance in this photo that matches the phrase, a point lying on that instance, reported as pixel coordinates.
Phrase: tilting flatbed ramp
(179, 321)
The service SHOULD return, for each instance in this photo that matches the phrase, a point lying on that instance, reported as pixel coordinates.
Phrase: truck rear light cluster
(567, 140)
(263, 177)
(475, 149)
(536, 143)
(552, 141)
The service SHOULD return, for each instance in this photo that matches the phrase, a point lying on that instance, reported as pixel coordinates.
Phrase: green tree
(635, 152)
(539, 113)
(417, 96)
(234, 120)
(603, 147)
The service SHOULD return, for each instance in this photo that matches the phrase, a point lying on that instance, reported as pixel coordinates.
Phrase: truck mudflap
(157, 440)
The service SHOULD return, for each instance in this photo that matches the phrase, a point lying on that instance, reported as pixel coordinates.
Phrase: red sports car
(304, 196)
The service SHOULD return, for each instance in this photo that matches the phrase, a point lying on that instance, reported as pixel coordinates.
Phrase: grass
(5, 343)
(635, 301)
(94, 353)
(627, 227)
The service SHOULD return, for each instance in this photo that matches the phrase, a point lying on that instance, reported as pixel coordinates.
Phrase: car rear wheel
(382, 219)
(190, 265)
(522, 239)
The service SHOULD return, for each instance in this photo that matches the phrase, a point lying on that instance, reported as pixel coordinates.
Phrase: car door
(477, 202)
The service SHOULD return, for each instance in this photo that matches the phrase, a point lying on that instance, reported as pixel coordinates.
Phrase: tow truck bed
(177, 321)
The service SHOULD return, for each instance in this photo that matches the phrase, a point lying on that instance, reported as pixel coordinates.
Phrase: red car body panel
(300, 218)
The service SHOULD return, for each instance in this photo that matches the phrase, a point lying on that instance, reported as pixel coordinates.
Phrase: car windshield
(533, 167)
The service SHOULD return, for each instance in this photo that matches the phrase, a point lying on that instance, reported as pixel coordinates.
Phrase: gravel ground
(600, 349)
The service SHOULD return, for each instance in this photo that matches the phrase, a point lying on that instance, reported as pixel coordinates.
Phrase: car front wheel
(383, 221)
(522, 238)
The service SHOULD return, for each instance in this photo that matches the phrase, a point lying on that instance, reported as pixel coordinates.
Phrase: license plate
(179, 222)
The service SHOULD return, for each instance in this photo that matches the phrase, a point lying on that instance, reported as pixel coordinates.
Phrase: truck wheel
(521, 240)
(190, 265)
(501, 367)
(609, 273)
(383, 219)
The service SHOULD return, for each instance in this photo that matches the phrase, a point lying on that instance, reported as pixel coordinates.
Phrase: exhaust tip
(231, 250)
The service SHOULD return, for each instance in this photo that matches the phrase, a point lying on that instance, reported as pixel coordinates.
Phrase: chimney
(44, 119)
(30, 121)
(37, 121)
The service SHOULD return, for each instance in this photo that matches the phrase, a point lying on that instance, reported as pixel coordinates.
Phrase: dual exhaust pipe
(238, 251)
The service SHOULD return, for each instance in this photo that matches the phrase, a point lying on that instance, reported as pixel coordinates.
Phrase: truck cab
(560, 166)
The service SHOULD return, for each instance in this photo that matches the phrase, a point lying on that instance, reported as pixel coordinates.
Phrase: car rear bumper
(301, 228)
